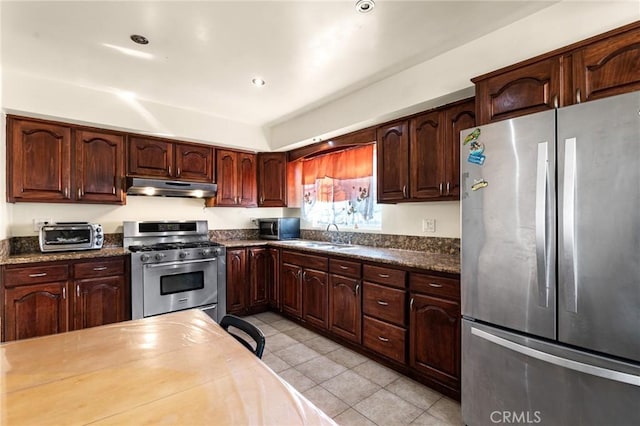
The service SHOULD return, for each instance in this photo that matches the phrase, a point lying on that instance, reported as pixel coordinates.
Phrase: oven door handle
(184, 262)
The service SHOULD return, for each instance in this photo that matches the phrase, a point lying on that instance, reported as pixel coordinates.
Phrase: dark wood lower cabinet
(345, 307)
(291, 289)
(48, 298)
(237, 281)
(434, 329)
(315, 298)
(258, 277)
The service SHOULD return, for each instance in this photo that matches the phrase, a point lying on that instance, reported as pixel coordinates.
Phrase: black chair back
(254, 332)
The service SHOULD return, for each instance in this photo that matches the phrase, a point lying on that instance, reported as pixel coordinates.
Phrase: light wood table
(175, 369)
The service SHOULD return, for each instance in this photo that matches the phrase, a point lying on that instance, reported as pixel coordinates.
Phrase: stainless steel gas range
(174, 266)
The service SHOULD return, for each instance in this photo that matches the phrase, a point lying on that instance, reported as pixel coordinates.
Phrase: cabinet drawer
(435, 286)
(308, 261)
(382, 275)
(383, 302)
(35, 274)
(99, 268)
(384, 338)
(345, 268)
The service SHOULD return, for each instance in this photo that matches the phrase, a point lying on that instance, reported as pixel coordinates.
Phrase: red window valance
(353, 163)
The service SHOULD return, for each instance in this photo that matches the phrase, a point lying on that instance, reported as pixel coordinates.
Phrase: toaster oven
(67, 236)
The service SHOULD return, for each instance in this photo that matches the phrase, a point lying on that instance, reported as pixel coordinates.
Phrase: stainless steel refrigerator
(551, 267)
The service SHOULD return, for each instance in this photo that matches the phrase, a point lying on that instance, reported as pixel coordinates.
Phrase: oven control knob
(144, 257)
(182, 254)
(159, 256)
(205, 252)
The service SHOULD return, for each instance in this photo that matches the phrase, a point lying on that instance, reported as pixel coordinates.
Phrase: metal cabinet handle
(343, 267)
(383, 275)
(66, 192)
(436, 285)
(169, 170)
(448, 187)
(411, 305)
(357, 289)
(79, 193)
(568, 231)
(113, 190)
(541, 224)
(78, 290)
(383, 339)
(440, 188)
(555, 101)
(178, 172)
(404, 191)
(304, 276)
(100, 268)
(41, 274)
(383, 303)
(64, 292)
(261, 200)
(578, 95)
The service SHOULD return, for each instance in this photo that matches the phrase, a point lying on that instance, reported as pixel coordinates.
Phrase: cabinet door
(247, 181)
(35, 310)
(456, 119)
(150, 157)
(273, 291)
(38, 161)
(272, 179)
(99, 161)
(315, 298)
(427, 156)
(291, 289)
(393, 162)
(237, 281)
(194, 163)
(345, 307)
(99, 301)
(608, 67)
(259, 274)
(519, 91)
(227, 170)
(435, 338)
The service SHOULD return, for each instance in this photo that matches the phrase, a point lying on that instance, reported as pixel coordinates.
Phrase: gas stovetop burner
(172, 246)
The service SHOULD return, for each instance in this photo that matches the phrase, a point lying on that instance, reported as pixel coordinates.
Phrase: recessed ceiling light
(257, 81)
(137, 38)
(365, 6)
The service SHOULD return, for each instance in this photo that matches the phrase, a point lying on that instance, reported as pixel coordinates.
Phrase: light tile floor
(349, 387)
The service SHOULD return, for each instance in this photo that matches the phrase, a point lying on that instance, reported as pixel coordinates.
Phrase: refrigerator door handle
(568, 232)
(559, 361)
(541, 224)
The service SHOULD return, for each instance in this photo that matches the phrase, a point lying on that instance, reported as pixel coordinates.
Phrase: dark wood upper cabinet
(519, 91)
(194, 162)
(393, 161)
(152, 157)
(457, 117)
(99, 163)
(607, 68)
(38, 161)
(426, 156)
(51, 162)
(601, 66)
(272, 179)
(236, 178)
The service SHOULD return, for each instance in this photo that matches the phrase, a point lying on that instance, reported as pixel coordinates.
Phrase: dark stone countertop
(436, 262)
(66, 255)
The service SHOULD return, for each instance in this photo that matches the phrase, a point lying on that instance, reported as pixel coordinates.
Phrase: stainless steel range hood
(170, 188)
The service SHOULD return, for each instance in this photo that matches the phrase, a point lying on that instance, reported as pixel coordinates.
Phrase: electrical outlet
(428, 225)
(38, 223)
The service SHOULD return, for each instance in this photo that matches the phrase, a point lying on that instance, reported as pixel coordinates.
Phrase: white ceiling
(202, 55)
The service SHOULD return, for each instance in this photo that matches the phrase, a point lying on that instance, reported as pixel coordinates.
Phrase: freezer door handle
(542, 172)
(570, 283)
(559, 361)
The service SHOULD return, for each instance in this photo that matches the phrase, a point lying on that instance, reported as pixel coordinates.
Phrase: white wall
(137, 208)
(107, 108)
(411, 90)
(4, 206)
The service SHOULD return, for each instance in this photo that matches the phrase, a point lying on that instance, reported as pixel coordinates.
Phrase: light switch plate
(428, 225)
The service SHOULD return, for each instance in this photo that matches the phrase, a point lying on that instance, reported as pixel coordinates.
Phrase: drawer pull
(100, 268)
(435, 285)
(357, 289)
(41, 274)
(383, 303)
(383, 339)
(343, 267)
(383, 275)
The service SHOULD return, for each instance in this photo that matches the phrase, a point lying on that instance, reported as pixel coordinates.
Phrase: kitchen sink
(323, 245)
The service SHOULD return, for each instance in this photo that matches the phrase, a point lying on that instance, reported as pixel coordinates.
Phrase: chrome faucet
(332, 224)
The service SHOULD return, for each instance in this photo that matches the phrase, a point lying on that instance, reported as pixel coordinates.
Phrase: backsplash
(234, 234)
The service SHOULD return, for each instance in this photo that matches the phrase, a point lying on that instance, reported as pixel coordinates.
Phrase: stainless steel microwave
(66, 236)
(280, 228)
